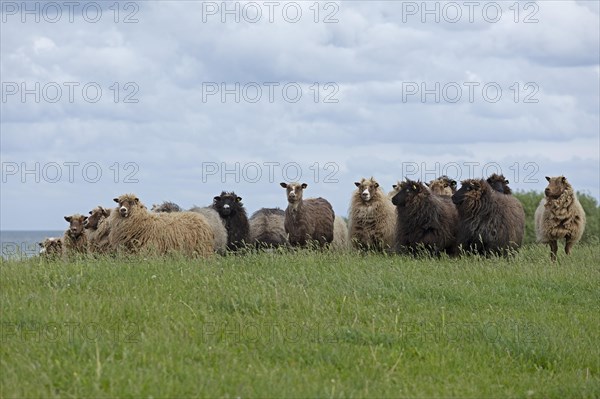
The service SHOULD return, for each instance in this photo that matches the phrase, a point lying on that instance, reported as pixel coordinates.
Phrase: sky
(179, 100)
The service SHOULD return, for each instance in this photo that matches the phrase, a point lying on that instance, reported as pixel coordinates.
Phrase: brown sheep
(489, 222)
(133, 228)
(75, 240)
(499, 183)
(51, 247)
(559, 216)
(98, 228)
(267, 228)
(166, 206)
(306, 220)
(425, 220)
(443, 185)
(371, 218)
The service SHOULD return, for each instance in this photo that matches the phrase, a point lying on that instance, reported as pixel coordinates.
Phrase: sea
(20, 244)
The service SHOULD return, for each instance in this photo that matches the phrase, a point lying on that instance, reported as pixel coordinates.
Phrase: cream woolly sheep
(372, 217)
(97, 230)
(340, 234)
(217, 226)
(559, 216)
(267, 228)
(443, 185)
(74, 240)
(133, 228)
(306, 220)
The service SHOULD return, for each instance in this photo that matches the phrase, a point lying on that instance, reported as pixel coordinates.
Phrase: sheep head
(471, 191)
(408, 191)
(76, 222)
(499, 183)
(127, 203)
(96, 215)
(556, 186)
(227, 204)
(367, 189)
(294, 191)
(443, 185)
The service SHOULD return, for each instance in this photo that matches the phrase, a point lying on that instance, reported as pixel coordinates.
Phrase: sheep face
(471, 190)
(126, 204)
(227, 204)
(443, 185)
(407, 191)
(76, 224)
(96, 215)
(556, 186)
(499, 183)
(367, 188)
(294, 191)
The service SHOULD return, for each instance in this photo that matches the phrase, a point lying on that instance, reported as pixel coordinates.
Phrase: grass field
(303, 324)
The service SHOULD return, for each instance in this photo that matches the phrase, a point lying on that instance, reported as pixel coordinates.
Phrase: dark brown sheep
(425, 220)
(499, 183)
(489, 222)
(230, 208)
(307, 220)
(75, 240)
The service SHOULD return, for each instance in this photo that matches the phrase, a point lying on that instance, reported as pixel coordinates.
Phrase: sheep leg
(568, 245)
(553, 250)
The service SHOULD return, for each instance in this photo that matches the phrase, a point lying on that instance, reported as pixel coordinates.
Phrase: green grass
(303, 324)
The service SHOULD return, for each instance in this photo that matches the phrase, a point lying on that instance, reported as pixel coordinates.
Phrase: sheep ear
(68, 218)
(217, 198)
(547, 178)
(394, 186)
(85, 218)
(564, 179)
(116, 200)
(238, 199)
(428, 184)
(357, 184)
(304, 185)
(453, 183)
(137, 200)
(284, 185)
(376, 185)
(506, 181)
(90, 212)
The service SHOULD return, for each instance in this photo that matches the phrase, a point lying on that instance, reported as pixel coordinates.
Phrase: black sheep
(425, 220)
(230, 208)
(489, 222)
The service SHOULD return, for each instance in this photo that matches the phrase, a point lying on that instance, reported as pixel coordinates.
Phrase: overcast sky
(178, 100)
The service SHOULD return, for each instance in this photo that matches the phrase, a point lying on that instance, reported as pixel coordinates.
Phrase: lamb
(443, 185)
(371, 218)
(559, 215)
(425, 220)
(166, 206)
(267, 228)
(307, 220)
(217, 226)
(97, 229)
(134, 229)
(489, 222)
(51, 247)
(232, 212)
(340, 241)
(75, 240)
(499, 183)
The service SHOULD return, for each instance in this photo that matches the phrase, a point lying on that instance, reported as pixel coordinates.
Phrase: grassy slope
(301, 325)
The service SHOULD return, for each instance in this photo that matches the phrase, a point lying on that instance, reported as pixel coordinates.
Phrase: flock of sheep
(481, 217)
